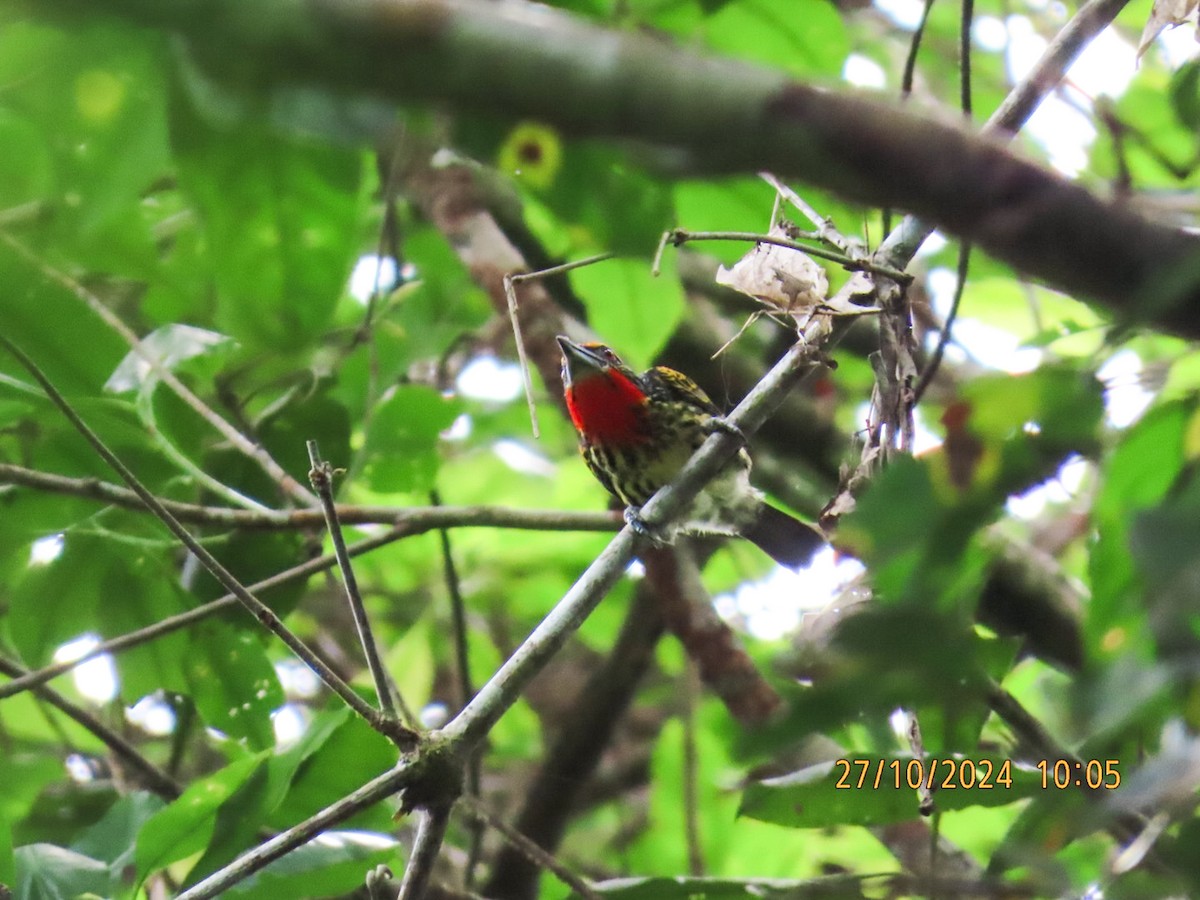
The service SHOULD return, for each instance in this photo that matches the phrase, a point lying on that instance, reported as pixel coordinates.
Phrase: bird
(637, 431)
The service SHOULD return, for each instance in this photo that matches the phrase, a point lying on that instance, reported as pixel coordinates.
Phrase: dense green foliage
(220, 219)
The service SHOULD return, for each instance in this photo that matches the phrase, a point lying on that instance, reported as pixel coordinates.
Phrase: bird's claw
(633, 518)
(724, 426)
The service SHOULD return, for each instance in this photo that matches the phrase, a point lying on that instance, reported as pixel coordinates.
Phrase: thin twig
(415, 519)
(1035, 742)
(560, 269)
(258, 453)
(321, 478)
(262, 613)
(510, 292)
(22, 213)
(826, 231)
(458, 612)
(914, 47)
(182, 620)
(964, 260)
(679, 237)
(916, 744)
(656, 263)
(466, 690)
(571, 760)
(530, 850)
(151, 775)
(902, 243)
(1016, 108)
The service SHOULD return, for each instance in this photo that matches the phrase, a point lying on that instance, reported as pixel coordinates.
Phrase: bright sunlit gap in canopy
(95, 679)
(374, 274)
(490, 380)
(46, 550)
(772, 607)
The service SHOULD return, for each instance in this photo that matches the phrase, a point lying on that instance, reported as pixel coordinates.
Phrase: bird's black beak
(578, 360)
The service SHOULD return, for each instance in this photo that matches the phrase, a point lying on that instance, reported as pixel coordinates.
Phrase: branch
(520, 60)
(389, 697)
(712, 646)
(431, 829)
(505, 687)
(246, 865)
(414, 519)
(444, 750)
(582, 739)
(533, 852)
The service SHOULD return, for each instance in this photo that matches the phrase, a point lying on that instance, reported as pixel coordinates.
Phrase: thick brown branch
(522, 60)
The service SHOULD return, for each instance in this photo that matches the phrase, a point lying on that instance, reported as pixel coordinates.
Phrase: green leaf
(1165, 543)
(97, 96)
(401, 448)
(324, 776)
(731, 204)
(1065, 404)
(185, 826)
(113, 839)
(280, 224)
(630, 308)
(26, 171)
(1146, 462)
(845, 792)
(254, 556)
(77, 354)
(683, 888)
(237, 823)
(26, 774)
(283, 767)
(232, 682)
(1136, 476)
(1185, 94)
(151, 593)
(8, 864)
(1003, 302)
(864, 677)
(60, 600)
(618, 206)
(319, 418)
(332, 864)
(47, 872)
(805, 40)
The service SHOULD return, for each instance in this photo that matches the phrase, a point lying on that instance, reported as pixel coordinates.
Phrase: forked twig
(510, 293)
(678, 236)
(321, 477)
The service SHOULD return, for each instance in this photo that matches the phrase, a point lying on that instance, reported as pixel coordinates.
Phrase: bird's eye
(609, 355)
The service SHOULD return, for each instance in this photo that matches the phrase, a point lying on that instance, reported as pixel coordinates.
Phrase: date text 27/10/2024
(968, 774)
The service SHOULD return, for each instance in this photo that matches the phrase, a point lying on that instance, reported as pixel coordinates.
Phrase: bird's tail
(784, 538)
